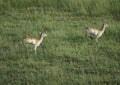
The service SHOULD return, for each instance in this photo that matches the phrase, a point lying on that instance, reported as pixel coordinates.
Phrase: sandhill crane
(96, 33)
(35, 41)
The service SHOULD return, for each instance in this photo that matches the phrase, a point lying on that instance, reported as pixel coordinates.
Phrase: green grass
(67, 56)
(79, 7)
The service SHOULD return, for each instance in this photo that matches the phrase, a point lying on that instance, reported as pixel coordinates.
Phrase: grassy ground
(66, 56)
(80, 7)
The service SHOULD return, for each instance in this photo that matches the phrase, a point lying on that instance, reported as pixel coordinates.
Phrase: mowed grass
(66, 56)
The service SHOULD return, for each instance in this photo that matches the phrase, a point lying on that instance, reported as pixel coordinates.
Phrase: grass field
(66, 57)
